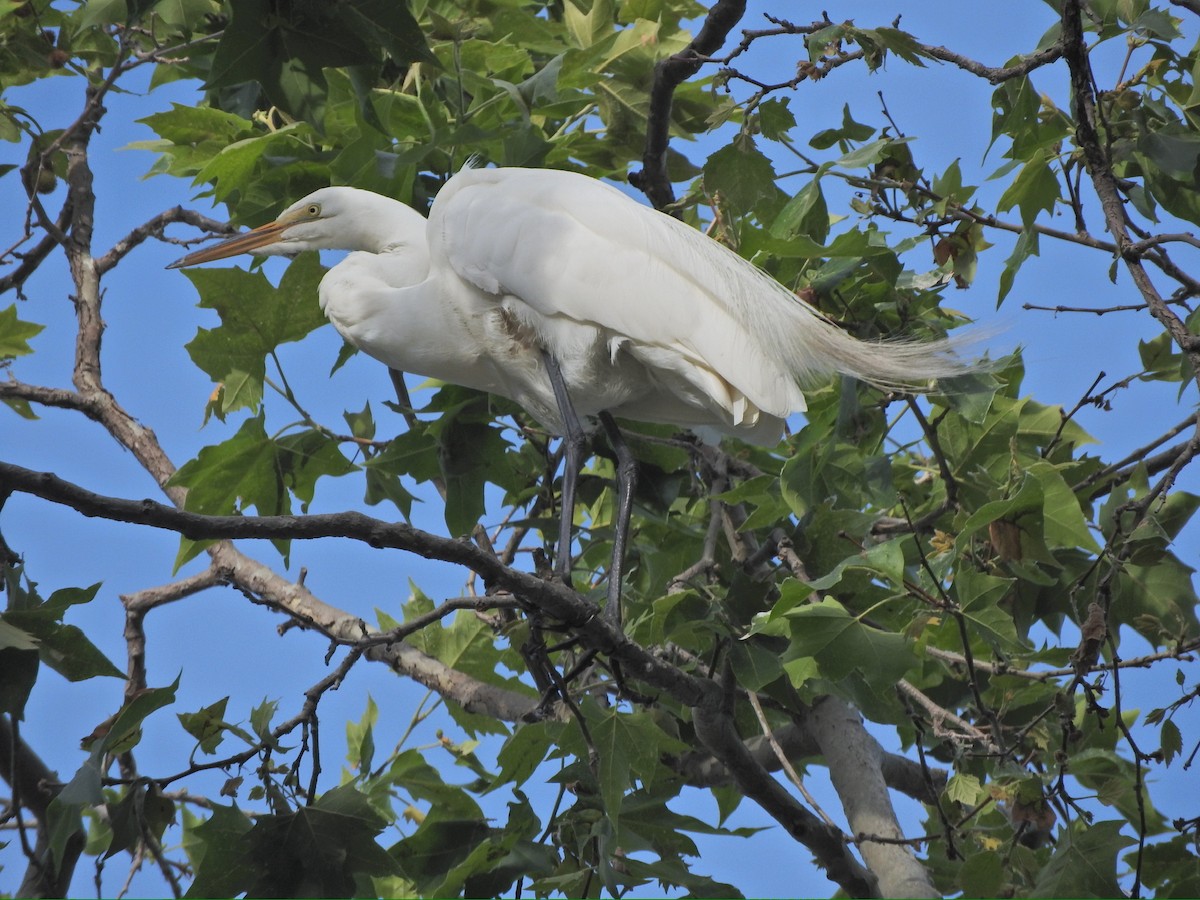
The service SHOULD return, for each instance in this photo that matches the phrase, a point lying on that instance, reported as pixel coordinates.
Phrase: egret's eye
(314, 209)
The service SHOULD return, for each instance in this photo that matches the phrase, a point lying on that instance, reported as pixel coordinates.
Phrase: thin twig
(784, 762)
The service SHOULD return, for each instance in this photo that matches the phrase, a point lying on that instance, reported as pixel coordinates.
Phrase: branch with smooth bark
(899, 772)
(715, 729)
(856, 769)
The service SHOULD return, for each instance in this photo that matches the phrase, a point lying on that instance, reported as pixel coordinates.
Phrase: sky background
(225, 646)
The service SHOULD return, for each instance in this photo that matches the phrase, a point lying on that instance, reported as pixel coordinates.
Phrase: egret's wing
(575, 248)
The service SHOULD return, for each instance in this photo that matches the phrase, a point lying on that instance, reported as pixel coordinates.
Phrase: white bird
(522, 281)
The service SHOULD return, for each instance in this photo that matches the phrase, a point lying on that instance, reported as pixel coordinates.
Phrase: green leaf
(467, 450)
(841, 644)
(850, 132)
(255, 319)
(965, 789)
(1025, 247)
(1084, 862)
(15, 333)
(65, 648)
(260, 721)
(360, 738)
(207, 725)
(1063, 520)
(223, 866)
(237, 474)
(754, 665)
(523, 752)
(868, 154)
(629, 746)
(126, 725)
(307, 456)
(806, 214)
(901, 43)
(979, 598)
(775, 119)
(123, 820)
(740, 175)
(982, 874)
(950, 188)
(392, 25)
(1170, 741)
(1035, 189)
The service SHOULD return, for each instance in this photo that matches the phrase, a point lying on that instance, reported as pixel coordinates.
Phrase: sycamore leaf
(740, 175)
(629, 745)
(841, 644)
(207, 725)
(1034, 190)
(1084, 862)
(236, 474)
(255, 319)
(220, 857)
(15, 333)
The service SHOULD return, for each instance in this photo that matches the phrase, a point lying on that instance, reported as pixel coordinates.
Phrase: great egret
(563, 294)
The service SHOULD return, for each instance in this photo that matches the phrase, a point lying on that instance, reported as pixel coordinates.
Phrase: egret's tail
(823, 348)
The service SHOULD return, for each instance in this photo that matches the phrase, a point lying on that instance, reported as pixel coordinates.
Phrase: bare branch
(46, 396)
(995, 74)
(155, 228)
(901, 773)
(784, 762)
(939, 715)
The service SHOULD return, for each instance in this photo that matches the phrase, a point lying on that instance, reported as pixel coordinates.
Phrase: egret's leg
(401, 388)
(575, 443)
(626, 482)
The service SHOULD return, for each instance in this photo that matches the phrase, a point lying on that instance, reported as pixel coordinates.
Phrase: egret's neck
(382, 224)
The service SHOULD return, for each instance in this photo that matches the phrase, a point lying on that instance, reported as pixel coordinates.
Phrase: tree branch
(155, 228)
(669, 73)
(553, 599)
(715, 729)
(33, 784)
(902, 774)
(855, 767)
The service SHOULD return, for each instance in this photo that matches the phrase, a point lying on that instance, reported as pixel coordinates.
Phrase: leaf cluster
(963, 569)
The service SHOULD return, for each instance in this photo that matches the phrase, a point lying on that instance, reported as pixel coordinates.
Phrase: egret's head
(308, 224)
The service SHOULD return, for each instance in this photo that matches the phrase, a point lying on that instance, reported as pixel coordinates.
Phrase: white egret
(558, 291)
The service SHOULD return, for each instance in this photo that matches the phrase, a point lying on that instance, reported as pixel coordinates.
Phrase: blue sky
(225, 646)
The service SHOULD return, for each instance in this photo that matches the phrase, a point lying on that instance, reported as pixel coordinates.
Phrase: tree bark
(855, 762)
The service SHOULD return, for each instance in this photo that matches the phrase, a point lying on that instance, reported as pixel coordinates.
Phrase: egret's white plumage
(648, 318)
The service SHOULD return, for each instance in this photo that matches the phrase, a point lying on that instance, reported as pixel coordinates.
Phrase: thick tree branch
(553, 599)
(46, 396)
(33, 785)
(669, 73)
(901, 773)
(715, 729)
(856, 769)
